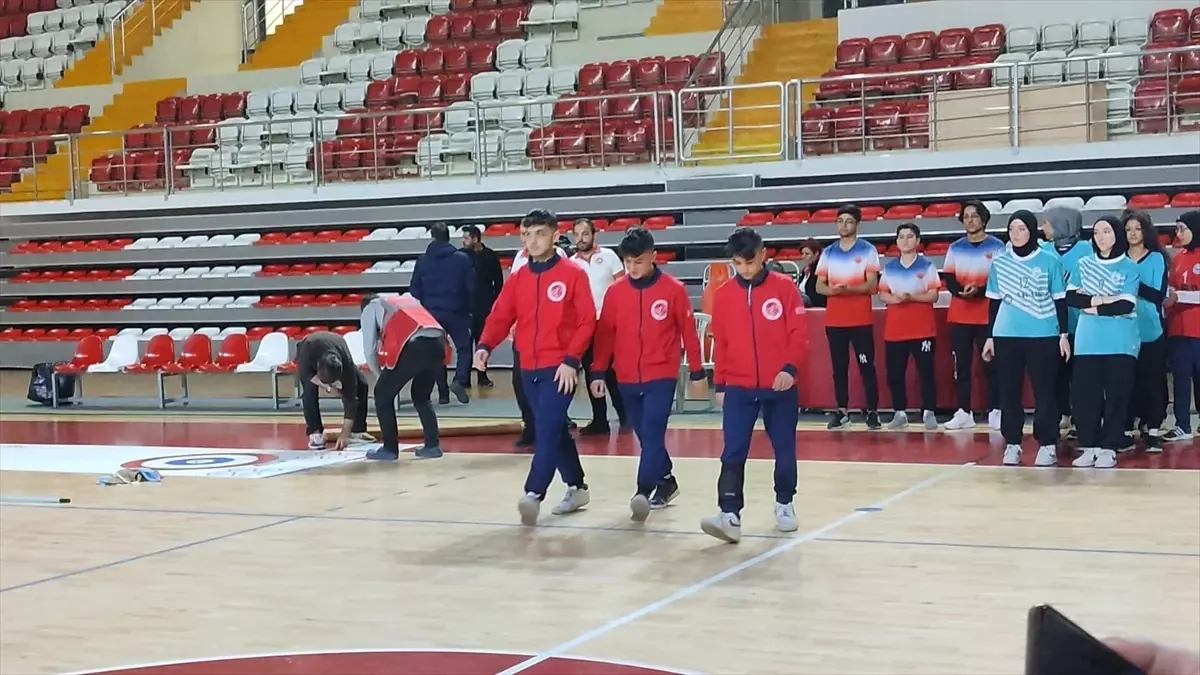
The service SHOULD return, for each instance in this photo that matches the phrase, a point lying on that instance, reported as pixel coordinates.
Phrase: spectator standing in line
(1183, 325)
(848, 274)
(603, 267)
(1062, 227)
(489, 279)
(966, 273)
(810, 253)
(444, 283)
(909, 286)
(1148, 407)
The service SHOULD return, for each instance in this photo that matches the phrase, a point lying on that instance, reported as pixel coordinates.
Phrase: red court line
(899, 447)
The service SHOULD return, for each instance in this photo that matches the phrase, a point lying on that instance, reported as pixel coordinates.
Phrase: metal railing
(984, 105)
(130, 23)
(261, 19)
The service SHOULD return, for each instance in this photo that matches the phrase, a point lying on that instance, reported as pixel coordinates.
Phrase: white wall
(938, 15)
(206, 40)
(95, 97)
(246, 80)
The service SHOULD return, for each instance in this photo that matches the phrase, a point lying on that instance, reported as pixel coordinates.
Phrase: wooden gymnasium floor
(917, 553)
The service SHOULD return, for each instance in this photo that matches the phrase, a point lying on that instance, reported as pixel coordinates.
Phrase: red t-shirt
(911, 320)
(1183, 320)
(848, 268)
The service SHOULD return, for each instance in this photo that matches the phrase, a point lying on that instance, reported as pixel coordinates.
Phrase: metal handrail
(120, 25)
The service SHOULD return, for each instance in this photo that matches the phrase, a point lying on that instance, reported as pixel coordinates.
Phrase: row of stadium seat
(188, 303)
(182, 333)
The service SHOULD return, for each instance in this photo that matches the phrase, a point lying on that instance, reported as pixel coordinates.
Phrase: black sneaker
(460, 393)
(840, 420)
(1127, 443)
(444, 399)
(426, 452)
(1154, 444)
(873, 421)
(596, 429)
(485, 381)
(525, 440)
(667, 490)
(384, 455)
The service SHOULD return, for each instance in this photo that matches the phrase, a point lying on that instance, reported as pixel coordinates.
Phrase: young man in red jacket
(646, 318)
(760, 339)
(551, 304)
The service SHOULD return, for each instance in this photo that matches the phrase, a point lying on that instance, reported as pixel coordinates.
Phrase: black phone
(1055, 645)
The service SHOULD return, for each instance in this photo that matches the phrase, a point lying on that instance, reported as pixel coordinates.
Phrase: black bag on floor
(40, 389)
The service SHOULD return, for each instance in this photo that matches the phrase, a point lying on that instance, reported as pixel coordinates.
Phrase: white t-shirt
(522, 259)
(602, 269)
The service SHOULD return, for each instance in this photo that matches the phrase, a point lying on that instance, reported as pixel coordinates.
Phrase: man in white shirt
(603, 267)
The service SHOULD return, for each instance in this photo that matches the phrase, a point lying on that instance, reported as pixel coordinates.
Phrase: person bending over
(324, 363)
(403, 342)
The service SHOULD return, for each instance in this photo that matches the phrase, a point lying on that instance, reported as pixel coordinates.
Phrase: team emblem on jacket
(556, 291)
(772, 309)
(658, 310)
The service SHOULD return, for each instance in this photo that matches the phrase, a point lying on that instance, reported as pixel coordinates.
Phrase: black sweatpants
(478, 319)
(420, 363)
(862, 338)
(1102, 387)
(600, 405)
(518, 385)
(1039, 358)
(966, 343)
(896, 355)
(1062, 381)
(310, 398)
(1148, 405)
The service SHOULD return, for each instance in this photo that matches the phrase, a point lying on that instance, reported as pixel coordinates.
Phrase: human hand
(481, 359)
(1064, 347)
(837, 290)
(969, 291)
(567, 379)
(1091, 310)
(342, 442)
(1172, 297)
(1156, 659)
(598, 389)
(783, 382)
(989, 350)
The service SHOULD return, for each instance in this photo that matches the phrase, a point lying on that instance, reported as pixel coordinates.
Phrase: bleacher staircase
(300, 35)
(686, 16)
(138, 33)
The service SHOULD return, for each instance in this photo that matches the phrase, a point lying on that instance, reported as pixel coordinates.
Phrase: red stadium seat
(953, 43)
(1169, 25)
(943, 210)
(510, 22)
(1186, 200)
(848, 127)
(272, 301)
(1150, 106)
(885, 50)
(816, 131)
(88, 352)
(649, 72)
(167, 110)
(677, 70)
(196, 353)
(1149, 201)
(408, 62)
(487, 25)
(916, 124)
(1160, 63)
(328, 268)
(618, 76)
(159, 352)
(937, 81)
(903, 212)
(462, 28)
(258, 332)
(976, 78)
(658, 222)
(300, 269)
(852, 53)
(826, 215)
(885, 126)
(987, 39)
(301, 300)
(755, 219)
(456, 59)
(234, 351)
(482, 58)
(437, 31)
(433, 61)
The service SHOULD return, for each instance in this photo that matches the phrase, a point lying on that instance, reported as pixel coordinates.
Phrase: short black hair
(1146, 223)
(439, 232)
(744, 243)
(980, 209)
(852, 211)
(366, 300)
(637, 241)
(909, 226)
(473, 231)
(539, 218)
(329, 367)
(585, 221)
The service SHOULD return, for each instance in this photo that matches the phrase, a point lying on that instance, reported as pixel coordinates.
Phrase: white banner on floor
(170, 461)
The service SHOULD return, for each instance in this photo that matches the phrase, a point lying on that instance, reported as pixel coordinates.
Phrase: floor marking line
(688, 591)
(1008, 547)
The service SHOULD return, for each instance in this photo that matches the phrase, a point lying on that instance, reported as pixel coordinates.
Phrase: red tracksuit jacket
(759, 329)
(407, 316)
(644, 323)
(551, 304)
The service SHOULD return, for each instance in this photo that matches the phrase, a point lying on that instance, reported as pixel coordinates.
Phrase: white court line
(703, 584)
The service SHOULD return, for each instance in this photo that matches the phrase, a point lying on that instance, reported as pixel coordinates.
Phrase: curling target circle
(200, 462)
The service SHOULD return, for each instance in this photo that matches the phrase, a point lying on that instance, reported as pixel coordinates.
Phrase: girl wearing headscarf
(1148, 405)
(1028, 335)
(1104, 288)
(1062, 226)
(1183, 324)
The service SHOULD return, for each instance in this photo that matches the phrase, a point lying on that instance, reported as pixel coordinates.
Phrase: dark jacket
(444, 280)
(489, 278)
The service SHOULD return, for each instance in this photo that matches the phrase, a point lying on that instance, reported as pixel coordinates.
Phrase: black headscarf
(1031, 224)
(1192, 220)
(1120, 246)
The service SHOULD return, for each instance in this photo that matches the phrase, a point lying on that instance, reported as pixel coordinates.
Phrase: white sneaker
(529, 507)
(994, 420)
(930, 420)
(1064, 423)
(574, 499)
(899, 420)
(316, 441)
(640, 506)
(1012, 455)
(961, 420)
(1047, 456)
(1087, 459)
(1176, 435)
(725, 526)
(359, 438)
(785, 518)
(1105, 459)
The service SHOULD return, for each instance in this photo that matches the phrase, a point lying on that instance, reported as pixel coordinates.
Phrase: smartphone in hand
(1055, 645)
